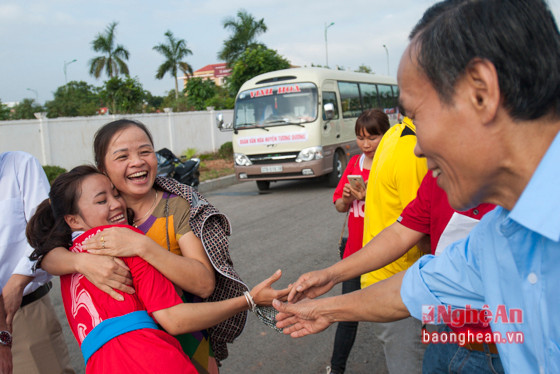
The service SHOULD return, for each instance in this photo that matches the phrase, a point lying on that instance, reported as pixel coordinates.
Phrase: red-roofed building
(215, 72)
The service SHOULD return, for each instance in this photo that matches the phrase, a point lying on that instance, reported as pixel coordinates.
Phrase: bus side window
(387, 101)
(350, 99)
(398, 117)
(330, 97)
(388, 95)
(369, 95)
(396, 95)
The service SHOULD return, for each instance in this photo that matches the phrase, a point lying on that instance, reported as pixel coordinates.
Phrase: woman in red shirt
(122, 336)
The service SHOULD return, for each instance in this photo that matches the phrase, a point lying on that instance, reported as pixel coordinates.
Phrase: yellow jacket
(396, 174)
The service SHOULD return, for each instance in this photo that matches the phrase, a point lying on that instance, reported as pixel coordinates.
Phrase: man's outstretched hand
(310, 285)
(301, 319)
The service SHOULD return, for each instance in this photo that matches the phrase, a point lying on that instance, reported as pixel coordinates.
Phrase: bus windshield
(284, 104)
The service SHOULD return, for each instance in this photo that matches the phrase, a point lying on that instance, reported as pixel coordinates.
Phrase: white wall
(68, 142)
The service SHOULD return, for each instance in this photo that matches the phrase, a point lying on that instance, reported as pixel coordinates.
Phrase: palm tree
(113, 59)
(245, 30)
(173, 51)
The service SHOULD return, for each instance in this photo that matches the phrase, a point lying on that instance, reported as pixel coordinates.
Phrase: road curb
(214, 184)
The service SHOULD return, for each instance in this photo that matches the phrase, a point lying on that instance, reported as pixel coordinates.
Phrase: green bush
(226, 150)
(207, 156)
(224, 153)
(53, 171)
(188, 154)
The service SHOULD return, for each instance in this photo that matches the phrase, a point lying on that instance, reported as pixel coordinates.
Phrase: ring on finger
(102, 243)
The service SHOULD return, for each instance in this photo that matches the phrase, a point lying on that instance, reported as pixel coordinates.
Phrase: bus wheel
(339, 164)
(263, 185)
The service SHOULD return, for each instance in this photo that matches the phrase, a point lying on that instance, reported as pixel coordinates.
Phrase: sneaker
(330, 371)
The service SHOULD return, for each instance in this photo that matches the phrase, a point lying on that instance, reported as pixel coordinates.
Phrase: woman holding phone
(349, 198)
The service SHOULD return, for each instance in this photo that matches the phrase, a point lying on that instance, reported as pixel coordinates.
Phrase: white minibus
(299, 123)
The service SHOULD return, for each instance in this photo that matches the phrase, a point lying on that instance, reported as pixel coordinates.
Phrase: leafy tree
(153, 103)
(222, 99)
(203, 93)
(4, 112)
(113, 55)
(178, 105)
(26, 109)
(364, 69)
(200, 92)
(174, 51)
(245, 29)
(252, 62)
(74, 99)
(123, 95)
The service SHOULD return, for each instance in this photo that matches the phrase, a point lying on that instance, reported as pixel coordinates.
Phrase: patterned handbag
(213, 229)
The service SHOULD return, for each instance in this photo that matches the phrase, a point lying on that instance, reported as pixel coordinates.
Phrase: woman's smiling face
(131, 163)
(99, 204)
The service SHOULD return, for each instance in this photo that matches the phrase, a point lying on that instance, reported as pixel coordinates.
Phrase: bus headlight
(310, 154)
(241, 159)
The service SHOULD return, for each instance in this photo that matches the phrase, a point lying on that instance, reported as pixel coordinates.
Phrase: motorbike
(171, 166)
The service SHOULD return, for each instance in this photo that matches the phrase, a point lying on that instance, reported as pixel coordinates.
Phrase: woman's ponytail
(45, 233)
(47, 229)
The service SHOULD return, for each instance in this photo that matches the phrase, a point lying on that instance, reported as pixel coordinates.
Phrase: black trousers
(345, 333)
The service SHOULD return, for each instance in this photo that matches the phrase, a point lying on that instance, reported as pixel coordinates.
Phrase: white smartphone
(356, 180)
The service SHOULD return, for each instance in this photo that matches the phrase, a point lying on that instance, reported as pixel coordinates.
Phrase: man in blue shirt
(480, 79)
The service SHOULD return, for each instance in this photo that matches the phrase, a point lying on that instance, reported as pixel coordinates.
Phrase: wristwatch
(6, 338)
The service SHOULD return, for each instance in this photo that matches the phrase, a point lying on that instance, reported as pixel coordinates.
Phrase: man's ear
(482, 79)
(74, 221)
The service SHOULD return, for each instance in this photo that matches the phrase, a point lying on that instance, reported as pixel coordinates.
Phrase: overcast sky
(37, 37)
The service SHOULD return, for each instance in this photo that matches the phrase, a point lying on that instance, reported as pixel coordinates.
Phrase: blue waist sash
(113, 327)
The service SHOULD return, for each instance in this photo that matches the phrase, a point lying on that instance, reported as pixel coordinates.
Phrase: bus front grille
(273, 158)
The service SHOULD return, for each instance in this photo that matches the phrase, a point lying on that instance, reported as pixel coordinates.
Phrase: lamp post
(65, 65)
(387, 51)
(45, 139)
(35, 92)
(326, 45)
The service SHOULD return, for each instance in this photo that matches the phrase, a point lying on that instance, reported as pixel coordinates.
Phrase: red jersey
(139, 351)
(431, 214)
(356, 211)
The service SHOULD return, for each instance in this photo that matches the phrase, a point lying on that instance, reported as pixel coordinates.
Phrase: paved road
(295, 228)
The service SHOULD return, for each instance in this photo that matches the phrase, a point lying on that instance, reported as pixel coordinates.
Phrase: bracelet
(250, 301)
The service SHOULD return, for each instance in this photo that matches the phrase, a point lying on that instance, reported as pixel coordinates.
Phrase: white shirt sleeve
(34, 188)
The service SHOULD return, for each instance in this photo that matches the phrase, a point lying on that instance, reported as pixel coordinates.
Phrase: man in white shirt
(5, 342)
(38, 343)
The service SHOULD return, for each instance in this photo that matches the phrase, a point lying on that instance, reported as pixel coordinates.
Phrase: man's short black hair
(520, 37)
